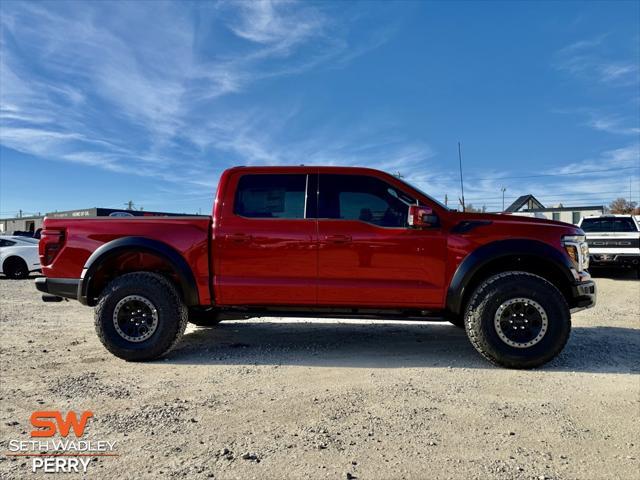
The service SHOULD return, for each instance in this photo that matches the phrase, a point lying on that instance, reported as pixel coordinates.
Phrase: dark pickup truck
(322, 242)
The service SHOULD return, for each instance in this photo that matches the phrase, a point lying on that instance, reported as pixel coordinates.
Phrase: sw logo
(46, 427)
(52, 451)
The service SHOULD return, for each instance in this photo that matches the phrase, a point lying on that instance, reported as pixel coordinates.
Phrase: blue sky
(104, 102)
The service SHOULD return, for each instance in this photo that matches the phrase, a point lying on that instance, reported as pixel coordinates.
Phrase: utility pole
(129, 205)
(461, 183)
(446, 200)
(503, 190)
(20, 214)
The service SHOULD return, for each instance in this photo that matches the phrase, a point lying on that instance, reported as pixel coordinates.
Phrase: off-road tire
(484, 303)
(204, 318)
(171, 311)
(15, 268)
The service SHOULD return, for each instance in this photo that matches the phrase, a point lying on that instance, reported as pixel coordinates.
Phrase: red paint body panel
(187, 235)
(307, 262)
(261, 261)
(383, 267)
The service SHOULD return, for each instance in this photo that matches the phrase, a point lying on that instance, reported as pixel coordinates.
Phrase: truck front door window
(367, 199)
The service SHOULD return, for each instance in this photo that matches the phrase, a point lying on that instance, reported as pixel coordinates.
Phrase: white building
(530, 206)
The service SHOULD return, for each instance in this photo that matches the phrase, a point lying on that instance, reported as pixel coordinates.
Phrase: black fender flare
(139, 244)
(481, 257)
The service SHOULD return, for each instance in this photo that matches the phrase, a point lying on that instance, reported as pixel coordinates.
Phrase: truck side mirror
(422, 217)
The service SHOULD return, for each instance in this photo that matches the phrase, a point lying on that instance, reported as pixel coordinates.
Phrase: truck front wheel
(518, 320)
(140, 316)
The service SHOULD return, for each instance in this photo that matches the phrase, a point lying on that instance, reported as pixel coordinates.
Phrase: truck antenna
(461, 182)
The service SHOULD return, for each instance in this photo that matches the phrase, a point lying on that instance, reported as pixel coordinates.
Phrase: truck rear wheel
(518, 320)
(140, 316)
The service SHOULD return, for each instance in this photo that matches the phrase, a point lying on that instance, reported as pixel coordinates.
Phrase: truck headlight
(584, 249)
(578, 250)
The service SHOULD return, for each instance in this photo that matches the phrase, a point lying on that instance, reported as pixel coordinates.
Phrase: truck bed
(187, 235)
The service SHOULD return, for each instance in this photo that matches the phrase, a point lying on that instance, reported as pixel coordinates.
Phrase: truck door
(368, 254)
(265, 246)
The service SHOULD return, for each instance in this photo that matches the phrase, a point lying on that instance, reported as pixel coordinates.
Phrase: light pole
(503, 190)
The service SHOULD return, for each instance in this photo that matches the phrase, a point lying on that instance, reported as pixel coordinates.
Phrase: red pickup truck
(322, 242)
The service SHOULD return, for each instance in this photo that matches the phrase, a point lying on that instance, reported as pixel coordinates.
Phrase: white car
(18, 256)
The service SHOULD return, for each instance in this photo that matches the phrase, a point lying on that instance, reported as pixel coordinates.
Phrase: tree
(622, 205)
(470, 208)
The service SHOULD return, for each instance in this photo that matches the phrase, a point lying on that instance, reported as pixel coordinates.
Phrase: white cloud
(623, 157)
(590, 60)
(133, 83)
(582, 45)
(613, 124)
(592, 181)
(120, 87)
(280, 24)
(619, 71)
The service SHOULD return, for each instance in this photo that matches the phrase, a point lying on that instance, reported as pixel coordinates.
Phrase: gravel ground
(329, 399)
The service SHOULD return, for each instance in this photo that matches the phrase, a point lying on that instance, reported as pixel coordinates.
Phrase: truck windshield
(608, 224)
(423, 193)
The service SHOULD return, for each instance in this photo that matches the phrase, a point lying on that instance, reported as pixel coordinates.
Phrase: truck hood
(515, 220)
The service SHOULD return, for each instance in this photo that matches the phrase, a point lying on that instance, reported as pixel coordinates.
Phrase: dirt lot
(330, 399)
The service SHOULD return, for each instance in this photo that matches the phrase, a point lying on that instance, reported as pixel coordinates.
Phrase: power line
(557, 195)
(570, 199)
(560, 174)
(612, 183)
(607, 199)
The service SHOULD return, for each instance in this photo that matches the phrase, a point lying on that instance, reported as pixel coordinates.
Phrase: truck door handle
(238, 237)
(339, 239)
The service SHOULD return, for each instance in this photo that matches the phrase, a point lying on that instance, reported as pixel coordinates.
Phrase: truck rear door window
(363, 198)
(271, 196)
